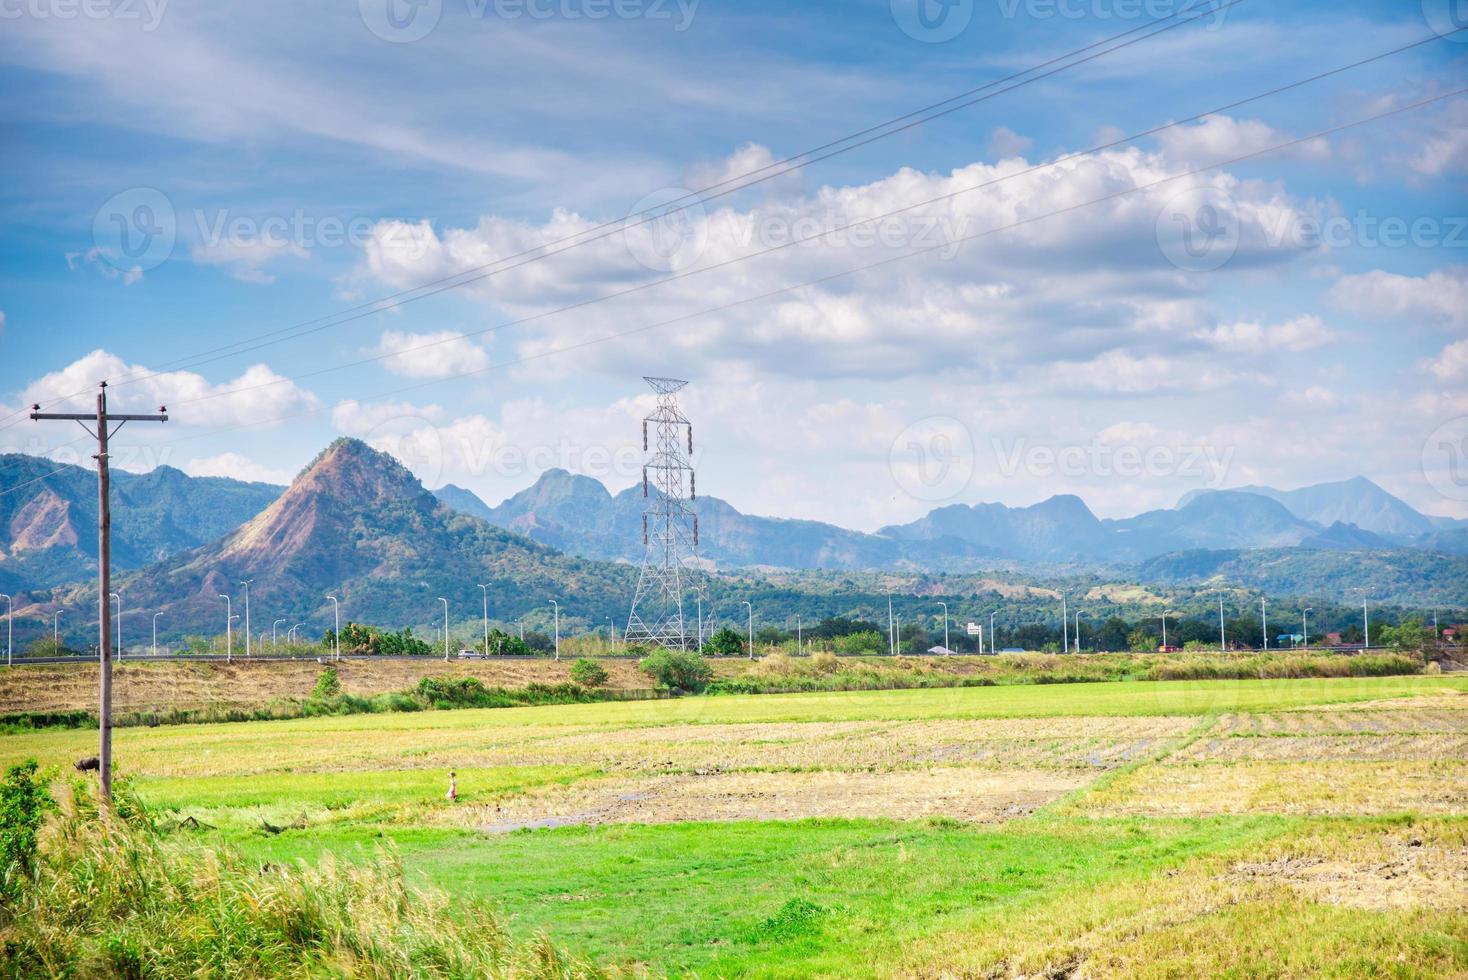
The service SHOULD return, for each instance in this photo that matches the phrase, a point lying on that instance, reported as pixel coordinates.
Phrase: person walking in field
(453, 793)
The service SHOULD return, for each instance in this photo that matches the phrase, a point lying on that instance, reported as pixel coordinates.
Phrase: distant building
(940, 651)
(1333, 640)
(1169, 648)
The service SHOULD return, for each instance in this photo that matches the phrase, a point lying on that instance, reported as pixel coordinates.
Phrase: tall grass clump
(113, 896)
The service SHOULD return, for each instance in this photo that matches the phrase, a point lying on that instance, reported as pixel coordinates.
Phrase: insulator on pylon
(644, 529)
(693, 487)
(644, 435)
(690, 440)
(695, 532)
(644, 483)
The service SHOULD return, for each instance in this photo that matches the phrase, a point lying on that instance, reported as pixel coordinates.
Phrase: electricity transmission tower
(670, 572)
(102, 422)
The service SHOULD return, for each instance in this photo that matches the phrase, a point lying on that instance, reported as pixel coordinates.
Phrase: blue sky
(300, 164)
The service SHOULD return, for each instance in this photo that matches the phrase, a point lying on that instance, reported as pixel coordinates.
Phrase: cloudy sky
(293, 225)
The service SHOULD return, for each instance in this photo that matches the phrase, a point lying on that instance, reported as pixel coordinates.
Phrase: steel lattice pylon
(670, 578)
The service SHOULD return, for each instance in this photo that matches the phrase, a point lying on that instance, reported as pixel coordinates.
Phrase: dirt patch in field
(962, 794)
(1082, 743)
(1310, 748)
(1415, 872)
(1326, 788)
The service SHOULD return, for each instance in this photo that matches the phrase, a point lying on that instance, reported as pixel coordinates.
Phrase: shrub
(724, 643)
(328, 685)
(825, 662)
(23, 805)
(775, 665)
(588, 673)
(677, 670)
(116, 898)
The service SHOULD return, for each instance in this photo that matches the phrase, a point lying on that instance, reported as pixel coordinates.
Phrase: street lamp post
(275, 633)
(1263, 623)
(1064, 626)
(751, 628)
(991, 635)
(558, 627)
(1222, 641)
(946, 648)
(484, 589)
(336, 633)
(228, 629)
(290, 636)
(799, 636)
(9, 626)
(1366, 626)
(699, 596)
(1164, 630)
(1305, 624)
(56, 634)
(445, 628)
(246, 584)
(155, 632)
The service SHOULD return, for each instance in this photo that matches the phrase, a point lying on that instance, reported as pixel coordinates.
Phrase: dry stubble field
(1246, 828)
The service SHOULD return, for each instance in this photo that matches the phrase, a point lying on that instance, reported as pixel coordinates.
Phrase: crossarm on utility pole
(103, 421)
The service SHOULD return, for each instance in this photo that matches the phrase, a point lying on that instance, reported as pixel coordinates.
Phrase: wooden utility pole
(104, 559)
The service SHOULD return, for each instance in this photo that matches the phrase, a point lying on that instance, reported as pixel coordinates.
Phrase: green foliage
(115, 898)
(328, 685)
(1411, 636)
(677, 670)
(864, 642)
(588, 673)
(23, 805)
(360, 640)
(724, 643)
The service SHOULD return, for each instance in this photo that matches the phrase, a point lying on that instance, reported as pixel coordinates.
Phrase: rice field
(1192, 828)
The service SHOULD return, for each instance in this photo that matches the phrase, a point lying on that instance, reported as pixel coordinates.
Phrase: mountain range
(578, 514)
(357, 524)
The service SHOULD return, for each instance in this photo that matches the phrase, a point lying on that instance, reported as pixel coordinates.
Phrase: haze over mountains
(578, 514)
(358, 524)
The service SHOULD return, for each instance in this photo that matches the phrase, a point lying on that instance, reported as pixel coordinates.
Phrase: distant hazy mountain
(577, 514)
(48, 525)
(358, 525)
(1356, 501)
(463, 501)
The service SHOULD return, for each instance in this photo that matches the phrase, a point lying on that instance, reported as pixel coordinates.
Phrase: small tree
(724, 643)
(588, 673)
(677, 670)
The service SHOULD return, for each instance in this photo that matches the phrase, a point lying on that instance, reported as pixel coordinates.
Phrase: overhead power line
(606, 229)
(795, 241)
(890, 260)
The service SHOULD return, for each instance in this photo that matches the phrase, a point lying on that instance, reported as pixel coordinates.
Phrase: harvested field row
(960, 794)
(1308, 748)
(1338, 787)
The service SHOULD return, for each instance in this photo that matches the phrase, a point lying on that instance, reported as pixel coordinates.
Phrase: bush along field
(1282, 827)
(295, 690)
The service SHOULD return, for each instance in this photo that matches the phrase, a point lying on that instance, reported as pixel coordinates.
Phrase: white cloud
(99, 260)
(260, 396)
(1445, 150)
(1070, 286)
(430, 355)
(1005, 142)
(353, 418)
(237, 467)
(1217, 138)
(1451, 364)
(1303, 333)
(246, 260)
(1314, 396)
(1439, 298)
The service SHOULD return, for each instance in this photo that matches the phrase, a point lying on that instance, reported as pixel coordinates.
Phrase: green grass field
(1218, 828)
